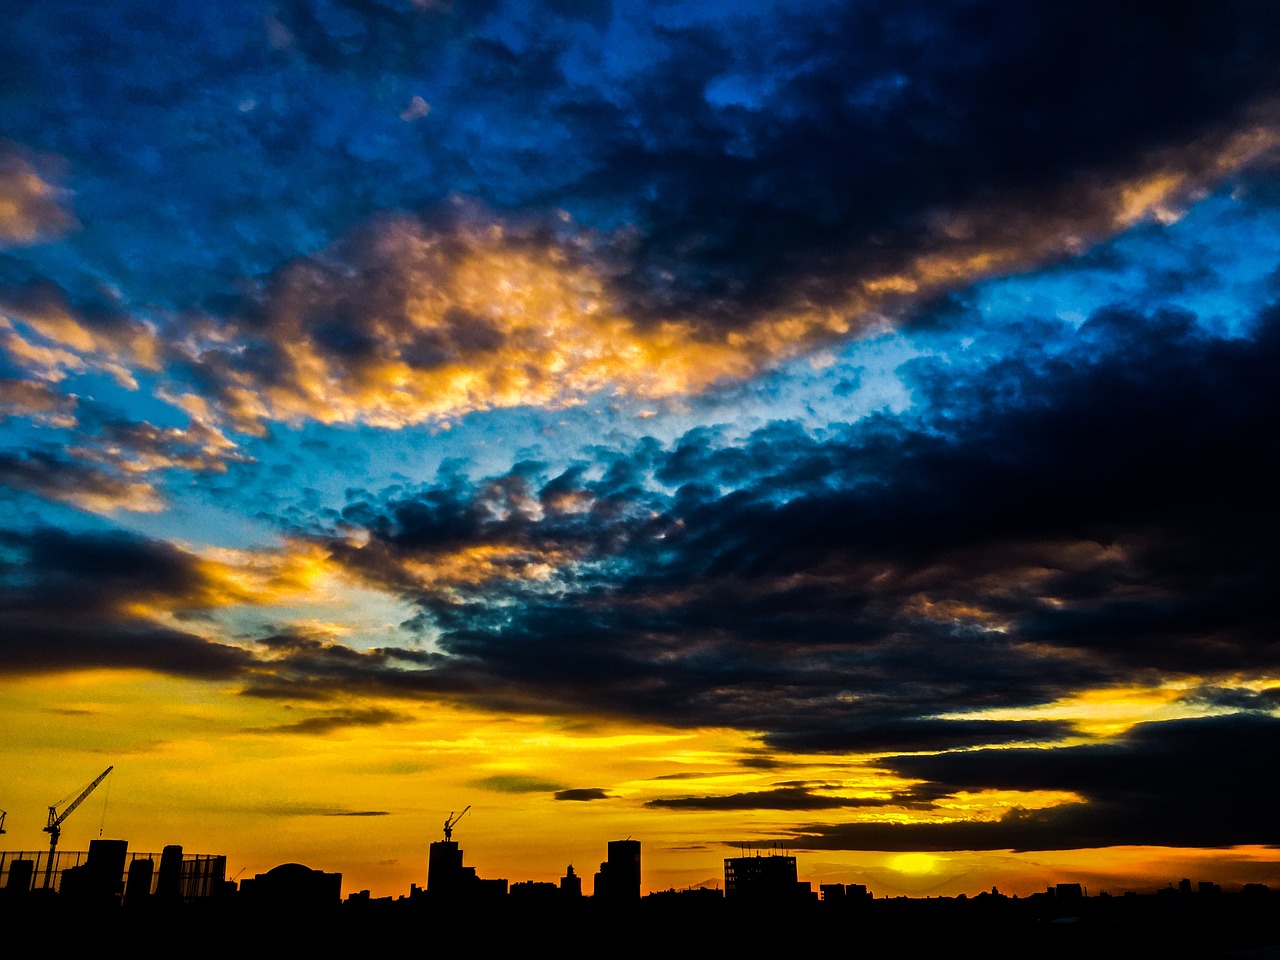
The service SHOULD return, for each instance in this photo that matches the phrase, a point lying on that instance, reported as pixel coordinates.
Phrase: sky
(846, 428)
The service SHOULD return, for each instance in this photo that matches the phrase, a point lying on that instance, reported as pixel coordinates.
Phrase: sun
(914, 864)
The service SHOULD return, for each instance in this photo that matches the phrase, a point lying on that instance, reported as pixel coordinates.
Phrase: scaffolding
(201, 875)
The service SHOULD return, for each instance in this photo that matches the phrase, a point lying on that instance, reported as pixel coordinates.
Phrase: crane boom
(448, 824)
(54, 829)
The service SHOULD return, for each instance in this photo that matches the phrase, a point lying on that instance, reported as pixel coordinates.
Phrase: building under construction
(108, 870)
(772, 878)
(448, 879)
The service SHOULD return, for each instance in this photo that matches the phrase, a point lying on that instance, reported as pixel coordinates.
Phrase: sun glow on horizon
(915, 864)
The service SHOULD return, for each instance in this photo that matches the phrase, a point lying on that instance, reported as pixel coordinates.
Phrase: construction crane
(54, 829)
(449, 824)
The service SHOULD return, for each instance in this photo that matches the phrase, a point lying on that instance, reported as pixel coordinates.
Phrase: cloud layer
(1093, 515)
(1191, 783)
(717, 195)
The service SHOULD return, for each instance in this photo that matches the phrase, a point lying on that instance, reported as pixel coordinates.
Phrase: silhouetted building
(535, 891)
(448, 879)
(21, 874)
(204, 875)
(840, 893)
(293, 885)
(445, 876)
(761, 878)
(570, 884)
(100, 879)
(619, 878)
(696, 897)
(1068, 891)
(108, 864)
(137, 887)
(169, 884)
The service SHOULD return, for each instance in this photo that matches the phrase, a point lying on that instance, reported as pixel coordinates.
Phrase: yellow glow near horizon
(1110, 711)
(200, 765)
(914, 864)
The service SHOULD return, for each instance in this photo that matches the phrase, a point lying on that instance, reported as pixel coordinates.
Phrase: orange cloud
(434, 324)
(411, 320)
(37, 401)
(31, 209)
(1111, 711)
(408, 321)
(80, 484)
(141, 448)
(45, 334)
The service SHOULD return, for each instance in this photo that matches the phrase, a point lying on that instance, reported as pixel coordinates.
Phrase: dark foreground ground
(1225, 926)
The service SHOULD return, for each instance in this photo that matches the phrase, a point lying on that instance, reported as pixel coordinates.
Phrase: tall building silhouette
(619, 878)
(571, 884)
(100, 878)
(761, 878)
(137, 888)
(169, 885)
(448, 879)
(445, 876)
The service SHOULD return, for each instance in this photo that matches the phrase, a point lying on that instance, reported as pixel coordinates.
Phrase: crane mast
(54, 829)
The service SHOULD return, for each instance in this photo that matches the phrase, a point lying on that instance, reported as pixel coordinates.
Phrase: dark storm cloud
(726, 189)
(910, 733)
(1095, 510)
(103, 460)
(46, 306)
(858, 160)
(51, 473)
(1199, 783)
(753, 157)
(328, 723)
(1236, 699)
(798, 151)
(1090, 508)
(515, 783)
(582, 794)
(780, 798)
(69, 601)
(77, 600)
(302, 809)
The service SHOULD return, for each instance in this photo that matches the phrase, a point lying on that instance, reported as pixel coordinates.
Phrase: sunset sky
(850, 426)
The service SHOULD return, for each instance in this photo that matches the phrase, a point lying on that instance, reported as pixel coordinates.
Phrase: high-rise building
(619, 878)
(100, 878)
(761, 878)
(445, 876)
(571, 884)
(448, 879)
(169, 884)
(137, 887)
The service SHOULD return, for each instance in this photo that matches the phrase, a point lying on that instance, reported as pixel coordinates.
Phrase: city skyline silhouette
(111, 892)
